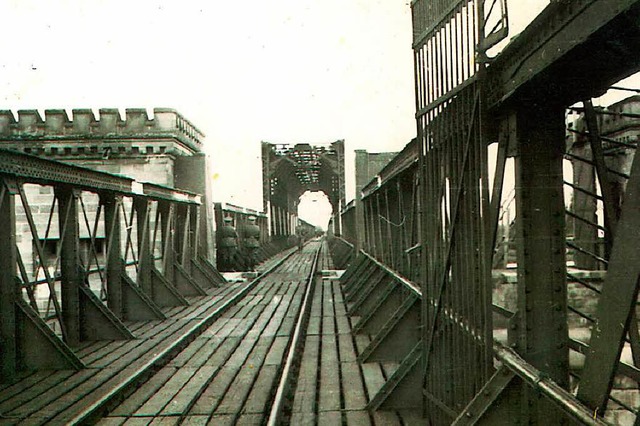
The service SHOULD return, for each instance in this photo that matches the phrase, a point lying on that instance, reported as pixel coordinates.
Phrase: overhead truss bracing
(289, 170)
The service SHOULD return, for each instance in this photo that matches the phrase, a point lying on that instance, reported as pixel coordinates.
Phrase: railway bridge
(439, 296)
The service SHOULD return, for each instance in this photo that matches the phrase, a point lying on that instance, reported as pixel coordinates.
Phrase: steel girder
(82, 252)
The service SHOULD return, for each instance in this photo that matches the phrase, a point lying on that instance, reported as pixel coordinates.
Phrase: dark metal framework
(82, 252)
(288, 171)
(571, 52)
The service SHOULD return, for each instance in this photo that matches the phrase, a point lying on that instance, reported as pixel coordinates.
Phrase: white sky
(283, 71)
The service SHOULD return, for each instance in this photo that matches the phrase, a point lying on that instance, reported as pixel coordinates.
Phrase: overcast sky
(283, 71)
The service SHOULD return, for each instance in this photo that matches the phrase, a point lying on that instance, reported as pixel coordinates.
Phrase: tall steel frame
(289, 170)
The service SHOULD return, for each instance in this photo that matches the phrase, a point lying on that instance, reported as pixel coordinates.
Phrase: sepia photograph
(319, 212)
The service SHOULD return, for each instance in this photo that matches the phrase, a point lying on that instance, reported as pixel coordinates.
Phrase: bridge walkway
(114, 367)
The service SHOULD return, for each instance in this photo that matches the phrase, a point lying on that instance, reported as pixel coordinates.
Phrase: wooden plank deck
(326, 395)
(58, 397)
(229, 373)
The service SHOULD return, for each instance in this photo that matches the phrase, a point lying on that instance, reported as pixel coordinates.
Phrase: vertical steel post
(70, 267)
(145, 257)
(115, 263)
(166, 220)
(9, 291)
(542, 291)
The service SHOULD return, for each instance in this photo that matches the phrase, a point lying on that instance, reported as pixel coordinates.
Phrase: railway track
(277, 350)
(237, 370)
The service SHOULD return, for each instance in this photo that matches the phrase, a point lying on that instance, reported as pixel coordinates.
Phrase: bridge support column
(542, 334)
(542, 293)
(70, 262)
(145, 257)
(84, 315)
(115, 268)
(125, 299)
(9, 290)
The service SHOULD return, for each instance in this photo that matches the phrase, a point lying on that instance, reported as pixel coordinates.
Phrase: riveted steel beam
(572, 51)
(9, 285)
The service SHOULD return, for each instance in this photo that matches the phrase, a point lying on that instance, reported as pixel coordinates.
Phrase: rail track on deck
(210, 361)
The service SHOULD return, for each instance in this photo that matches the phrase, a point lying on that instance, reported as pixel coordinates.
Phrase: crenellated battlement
(58, 125)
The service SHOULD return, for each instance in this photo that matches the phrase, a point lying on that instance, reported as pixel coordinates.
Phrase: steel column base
(402, 389)
(97, 322)
(38, 347)
(185, 284)
(137, 305)
(398, 336)
(164, 294)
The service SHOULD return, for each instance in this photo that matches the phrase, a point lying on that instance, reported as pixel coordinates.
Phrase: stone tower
(164, 150)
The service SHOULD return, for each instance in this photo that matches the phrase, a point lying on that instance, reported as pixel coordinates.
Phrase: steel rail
(99, 408)
(275, 413)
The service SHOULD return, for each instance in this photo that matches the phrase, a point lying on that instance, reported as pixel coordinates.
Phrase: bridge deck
(199, 367)
(112, 366)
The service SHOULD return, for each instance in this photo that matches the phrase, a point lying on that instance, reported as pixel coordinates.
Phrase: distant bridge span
(94, 265)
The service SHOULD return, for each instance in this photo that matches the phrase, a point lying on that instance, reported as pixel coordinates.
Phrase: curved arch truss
(289, 170)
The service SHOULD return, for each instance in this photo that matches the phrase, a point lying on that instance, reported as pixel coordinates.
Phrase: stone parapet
(84, 125)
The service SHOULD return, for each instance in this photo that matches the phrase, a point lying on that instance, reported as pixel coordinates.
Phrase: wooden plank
(328, 326)
(230, 324)
(31, 386)
(353, 389)
(386, 418)
(338, 298)
(138, 421)
(239, 356)
(304, 400)
(330, 418)
(362, 341)
(53, 394)
(167, 421)
(215, 391)
(262, 390)
(136, 350)
(329, 376)
(119, 372)
(346, 348)
(183, 400)
(204, 353)
(343, 325)
(373, 377)
(249, 420)
(359, 418)
(111, 421)
(87, 348)
(327, 299)
(185, 355)
(303, 418)
(190, 420)
(242, 384)
(238, 391)
(145, 392)
(316, 305)
(224, 351)
(277, 351)
(222, 420)
(214, 328)
(103, 351)
(165, 394)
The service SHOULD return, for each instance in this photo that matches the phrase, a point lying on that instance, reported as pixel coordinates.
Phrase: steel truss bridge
(125, 319)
